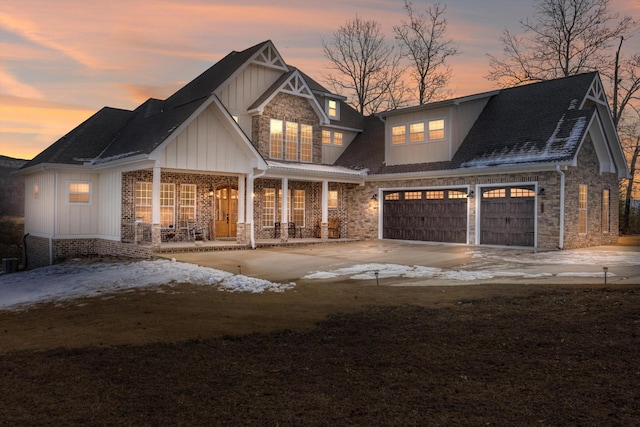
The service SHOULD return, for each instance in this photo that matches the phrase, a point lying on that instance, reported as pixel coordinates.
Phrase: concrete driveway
(401, 263)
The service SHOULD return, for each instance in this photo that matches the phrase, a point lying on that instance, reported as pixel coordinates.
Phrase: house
(254, 149)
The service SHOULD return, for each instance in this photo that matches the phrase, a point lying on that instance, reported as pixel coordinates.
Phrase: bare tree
(630, 137)
(368, 68)
(565, 37)
(625, 83)
(424, 43)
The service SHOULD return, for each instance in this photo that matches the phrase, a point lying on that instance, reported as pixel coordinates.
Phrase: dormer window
(436, 129)
(415, 132)
(333, 110)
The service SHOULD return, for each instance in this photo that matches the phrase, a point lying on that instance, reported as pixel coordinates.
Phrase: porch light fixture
(210, 191)
(541, 192)
(470, 194)
(374, 197)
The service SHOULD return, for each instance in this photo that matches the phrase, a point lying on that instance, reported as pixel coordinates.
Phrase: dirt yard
(327, 354)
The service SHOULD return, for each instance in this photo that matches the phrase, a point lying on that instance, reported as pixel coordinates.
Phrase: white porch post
(155, 207)
(284, 209)
(324, 223)
(249, 201)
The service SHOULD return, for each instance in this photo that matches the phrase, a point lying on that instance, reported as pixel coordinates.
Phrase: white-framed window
(332, 138)
(416, 132)
(79, 192)
(606, 227)
(333, 109)
(187, 203)
(399, 134)
(167, 204)
(332, 199)
(268, 207)
(275, 144)
(143, 201)
(337, 138)
(36, 192)
(326, 137)
(436, 129)
(582, 209)
(297, 213)
(291, 141)
(306, 143)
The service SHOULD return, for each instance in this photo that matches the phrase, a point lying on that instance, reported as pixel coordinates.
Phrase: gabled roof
(116, 134)
(531, 124)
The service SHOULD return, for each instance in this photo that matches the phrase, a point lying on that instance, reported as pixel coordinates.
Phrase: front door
(226, 212)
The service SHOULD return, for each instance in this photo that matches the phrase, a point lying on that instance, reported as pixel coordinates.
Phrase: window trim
(185, 189)
(428, 129)
(583, 204)
(330, 200)
(268, 210)
(89, 192)
(148, 191)
(276, 150)
(606, 211)
(335, 116)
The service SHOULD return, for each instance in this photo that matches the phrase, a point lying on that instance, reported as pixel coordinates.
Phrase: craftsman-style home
(254, 151)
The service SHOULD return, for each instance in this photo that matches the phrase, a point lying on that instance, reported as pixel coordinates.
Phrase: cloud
(12, 86)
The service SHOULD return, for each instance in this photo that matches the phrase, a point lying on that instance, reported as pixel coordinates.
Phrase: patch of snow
(72, 280)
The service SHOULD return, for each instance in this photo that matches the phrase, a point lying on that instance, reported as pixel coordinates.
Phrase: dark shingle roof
(535, 123)
(86, 141)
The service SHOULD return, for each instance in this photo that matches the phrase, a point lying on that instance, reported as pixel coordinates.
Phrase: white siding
(37, 213)
(77, 219)
(110, 211)
(330, 153)
(209, 143)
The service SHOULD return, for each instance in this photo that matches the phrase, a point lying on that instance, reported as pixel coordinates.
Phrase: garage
(425, 215)
(507, 216)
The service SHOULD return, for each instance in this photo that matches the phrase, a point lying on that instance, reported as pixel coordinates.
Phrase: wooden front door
(507, 216)
(226, 212)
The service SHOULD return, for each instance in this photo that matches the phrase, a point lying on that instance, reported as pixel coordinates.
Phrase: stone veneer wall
(288, 108)
(588, 172)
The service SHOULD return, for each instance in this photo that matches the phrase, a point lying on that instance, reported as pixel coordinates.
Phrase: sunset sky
(62, 60)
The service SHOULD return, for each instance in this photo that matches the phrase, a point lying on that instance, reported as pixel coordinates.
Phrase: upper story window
(79, 193)
(415, 132)
(290, 141)
(436, 129)
(331, 138)
(333, 110)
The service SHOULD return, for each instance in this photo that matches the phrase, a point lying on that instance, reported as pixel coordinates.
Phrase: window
(275, 146)
(392, 196)
(495, 193)
(296, 214)
(436, 129)
(398, 134)
(416, 132)
(337, 138)
(187, 203)
(435, 195)
(413, 195)
(143, 201)
(268, 207)
(36, 192)
(332, 199)
(457, 194)
(326, 137)
(167, 204)
(306, 143)
(521, 192)
(605, 211)
(582, 209)
(332, 108)
(291, 141)
(79, 192)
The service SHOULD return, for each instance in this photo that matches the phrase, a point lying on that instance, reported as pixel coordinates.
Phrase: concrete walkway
(509, 265)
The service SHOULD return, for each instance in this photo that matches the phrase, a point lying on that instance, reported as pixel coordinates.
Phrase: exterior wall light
(541, 192)
(471, 194)
(374, 197)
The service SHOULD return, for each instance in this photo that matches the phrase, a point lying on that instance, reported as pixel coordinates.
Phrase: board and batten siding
(77, 220)
(38, 220)
(243, 89)
(419, 152)
(208, 143)
(109, 214)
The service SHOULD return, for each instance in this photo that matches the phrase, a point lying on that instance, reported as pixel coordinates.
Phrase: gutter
(562, 191)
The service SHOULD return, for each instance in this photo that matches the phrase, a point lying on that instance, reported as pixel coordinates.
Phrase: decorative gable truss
(270, 58)
(296, 85)
(596, 93)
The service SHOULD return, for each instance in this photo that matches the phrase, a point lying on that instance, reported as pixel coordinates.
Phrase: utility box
(9, 265)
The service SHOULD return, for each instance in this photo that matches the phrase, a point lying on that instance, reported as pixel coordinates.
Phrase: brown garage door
(427, 215)
(507, 216)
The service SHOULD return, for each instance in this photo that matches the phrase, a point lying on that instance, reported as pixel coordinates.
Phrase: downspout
(55, 216)
(562, 191)
(252, 178)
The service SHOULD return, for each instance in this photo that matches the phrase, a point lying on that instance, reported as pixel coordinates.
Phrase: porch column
(284, 209)
(324, 222)
(241, 234)
(156, 238)
(250, 200)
